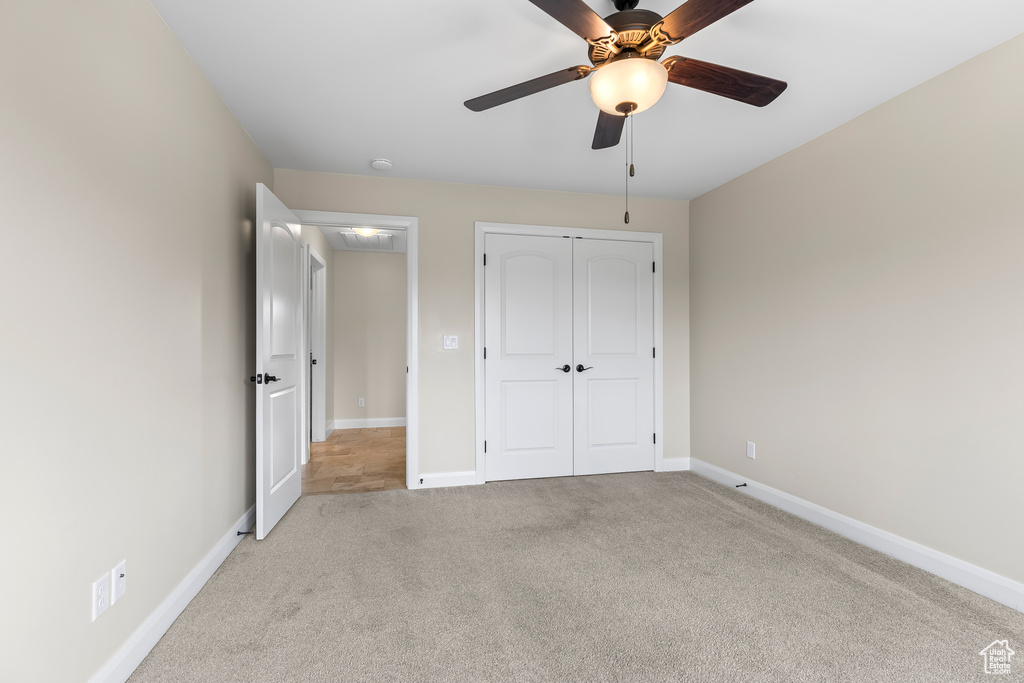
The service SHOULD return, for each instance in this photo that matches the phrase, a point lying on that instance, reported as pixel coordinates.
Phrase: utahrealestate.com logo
(997, 657)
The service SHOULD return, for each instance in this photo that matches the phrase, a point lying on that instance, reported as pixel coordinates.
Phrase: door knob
(565, 368)
(580, 368)
(271, 378)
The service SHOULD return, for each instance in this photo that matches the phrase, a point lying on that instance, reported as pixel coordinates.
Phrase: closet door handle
(580, 368)
(565, 368)
(271, 378)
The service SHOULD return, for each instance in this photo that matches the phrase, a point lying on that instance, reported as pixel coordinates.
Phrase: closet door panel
(613, 323)
(528, 337)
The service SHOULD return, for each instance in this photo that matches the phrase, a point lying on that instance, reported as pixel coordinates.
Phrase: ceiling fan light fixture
(631, 78)
(365, 232)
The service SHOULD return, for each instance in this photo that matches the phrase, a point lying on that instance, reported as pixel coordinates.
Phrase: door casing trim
(480, 231)
(317, 348)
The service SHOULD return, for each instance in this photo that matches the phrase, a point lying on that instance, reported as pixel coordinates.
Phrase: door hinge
(485, 259)
(655, 437)
(485, 446)
(654, 352)
(653, 267)
(485, 353)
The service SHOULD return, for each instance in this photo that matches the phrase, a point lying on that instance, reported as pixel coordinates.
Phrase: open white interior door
(280, 355)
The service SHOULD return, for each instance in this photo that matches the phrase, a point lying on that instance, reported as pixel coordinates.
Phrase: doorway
(569, 325)
(368, 444)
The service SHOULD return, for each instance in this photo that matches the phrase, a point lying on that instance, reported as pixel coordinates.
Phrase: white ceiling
(324, 85)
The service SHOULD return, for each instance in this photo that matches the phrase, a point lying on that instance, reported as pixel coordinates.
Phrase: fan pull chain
(631, 147)
(629, 161)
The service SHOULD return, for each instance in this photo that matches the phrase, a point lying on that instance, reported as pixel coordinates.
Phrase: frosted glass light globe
(632, 79)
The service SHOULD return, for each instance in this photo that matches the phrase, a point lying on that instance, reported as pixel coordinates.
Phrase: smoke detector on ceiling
(381, 164)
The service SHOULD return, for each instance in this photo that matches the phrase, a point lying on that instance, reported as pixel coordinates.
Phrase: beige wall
(318, 243)
(858, 312)
(126, 191)
(446, 213)
(369, 334)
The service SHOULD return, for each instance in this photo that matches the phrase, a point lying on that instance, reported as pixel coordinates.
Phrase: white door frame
(304, 365)
(655, 238)
(318, 346)
(411, 226)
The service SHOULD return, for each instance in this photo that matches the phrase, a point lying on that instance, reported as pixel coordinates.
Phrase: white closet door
(528, 338)
(613, 291)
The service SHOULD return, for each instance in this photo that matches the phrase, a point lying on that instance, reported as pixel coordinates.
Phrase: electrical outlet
(451, 341)
(100, 595)
(750, 450)
(118, 581)
(362, 403)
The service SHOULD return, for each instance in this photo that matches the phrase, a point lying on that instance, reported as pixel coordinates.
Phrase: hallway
(356, 461)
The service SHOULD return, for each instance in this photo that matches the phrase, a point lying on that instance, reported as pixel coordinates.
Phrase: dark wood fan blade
(609, 131)
(721, 80)
(514, 92)
(692, 16)
(577, 16)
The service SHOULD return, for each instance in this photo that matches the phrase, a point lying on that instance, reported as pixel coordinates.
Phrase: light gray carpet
(633, 577)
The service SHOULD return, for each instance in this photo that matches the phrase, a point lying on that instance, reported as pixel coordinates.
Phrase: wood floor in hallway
(356, 461)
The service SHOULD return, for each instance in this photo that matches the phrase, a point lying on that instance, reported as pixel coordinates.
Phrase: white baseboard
(674, 465)
(367, 423)
(433, 481)
(469, 477)
(119, 667)
(971, 577)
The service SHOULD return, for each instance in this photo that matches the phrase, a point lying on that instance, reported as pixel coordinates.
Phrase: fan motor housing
(632, 28)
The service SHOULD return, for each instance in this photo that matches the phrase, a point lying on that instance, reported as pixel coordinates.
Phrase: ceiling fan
(624, 50)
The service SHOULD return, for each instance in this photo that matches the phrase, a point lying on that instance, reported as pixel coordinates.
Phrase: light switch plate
(750, 450)
(451, 341)
(118, 581)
